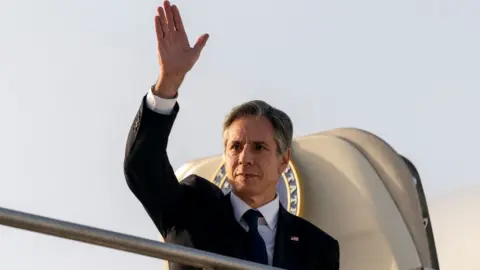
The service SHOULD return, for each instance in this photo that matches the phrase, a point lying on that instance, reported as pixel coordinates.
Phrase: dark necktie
(256, 249)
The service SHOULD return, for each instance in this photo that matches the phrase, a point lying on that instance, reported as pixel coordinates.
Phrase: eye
(235, 146)
(259, 146)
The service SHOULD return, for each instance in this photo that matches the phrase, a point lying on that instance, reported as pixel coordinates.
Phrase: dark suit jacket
(196, 213)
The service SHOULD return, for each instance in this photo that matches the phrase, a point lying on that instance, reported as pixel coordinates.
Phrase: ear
(284, 160)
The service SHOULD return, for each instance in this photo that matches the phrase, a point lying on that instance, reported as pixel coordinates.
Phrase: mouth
(248, 175)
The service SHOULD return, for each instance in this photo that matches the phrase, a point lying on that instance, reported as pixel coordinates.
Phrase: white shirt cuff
(160, 105)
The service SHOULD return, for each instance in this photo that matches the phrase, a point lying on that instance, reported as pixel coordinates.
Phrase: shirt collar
(269, 210)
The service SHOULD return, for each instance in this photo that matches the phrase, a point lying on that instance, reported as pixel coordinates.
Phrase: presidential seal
(288, 187)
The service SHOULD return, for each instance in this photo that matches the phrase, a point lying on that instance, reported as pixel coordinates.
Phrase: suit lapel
(283, 255)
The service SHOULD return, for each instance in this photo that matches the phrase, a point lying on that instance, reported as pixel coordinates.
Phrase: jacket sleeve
(147, 169)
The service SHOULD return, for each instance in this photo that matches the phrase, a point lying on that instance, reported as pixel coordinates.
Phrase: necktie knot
(251, 217)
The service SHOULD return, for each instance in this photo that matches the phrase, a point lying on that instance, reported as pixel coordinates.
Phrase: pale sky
(73, 73)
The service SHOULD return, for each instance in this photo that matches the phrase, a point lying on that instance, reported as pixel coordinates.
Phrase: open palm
(175, 55)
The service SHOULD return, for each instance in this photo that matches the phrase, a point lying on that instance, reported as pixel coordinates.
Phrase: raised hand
(175, 55)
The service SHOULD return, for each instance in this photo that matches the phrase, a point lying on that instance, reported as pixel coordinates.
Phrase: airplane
(359, 189)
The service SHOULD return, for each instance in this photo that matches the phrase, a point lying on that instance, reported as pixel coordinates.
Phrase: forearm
(147, 169)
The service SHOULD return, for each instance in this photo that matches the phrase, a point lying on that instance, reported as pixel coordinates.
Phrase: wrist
(167, 86)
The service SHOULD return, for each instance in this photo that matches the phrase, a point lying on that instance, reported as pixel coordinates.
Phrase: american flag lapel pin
(294, 238)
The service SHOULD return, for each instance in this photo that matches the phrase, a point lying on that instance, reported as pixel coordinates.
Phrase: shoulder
(199, 186)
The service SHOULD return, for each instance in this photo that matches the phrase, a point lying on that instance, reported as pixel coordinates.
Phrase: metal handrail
(124, 242)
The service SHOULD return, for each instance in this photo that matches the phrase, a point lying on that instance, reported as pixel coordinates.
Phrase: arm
(147, 168)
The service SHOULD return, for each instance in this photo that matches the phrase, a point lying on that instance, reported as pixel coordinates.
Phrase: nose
(246, 157)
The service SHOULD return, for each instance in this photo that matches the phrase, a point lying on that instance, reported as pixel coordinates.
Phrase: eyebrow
(254, 142)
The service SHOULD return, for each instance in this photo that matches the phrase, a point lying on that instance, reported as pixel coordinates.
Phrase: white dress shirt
(267, 226)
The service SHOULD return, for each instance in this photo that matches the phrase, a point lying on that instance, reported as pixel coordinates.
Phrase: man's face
(251, 157)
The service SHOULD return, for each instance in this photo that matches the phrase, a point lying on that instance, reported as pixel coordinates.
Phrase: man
(249, 222)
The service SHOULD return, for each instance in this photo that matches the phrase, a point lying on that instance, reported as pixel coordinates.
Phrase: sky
(73, 73)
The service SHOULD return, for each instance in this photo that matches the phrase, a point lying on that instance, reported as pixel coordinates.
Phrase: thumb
(200, 44)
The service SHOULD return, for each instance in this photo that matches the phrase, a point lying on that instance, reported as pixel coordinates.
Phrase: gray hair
(281, 122)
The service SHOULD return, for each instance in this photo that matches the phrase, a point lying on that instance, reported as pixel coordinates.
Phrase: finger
(177, 18)
(162, 20)
(158, 29)
(200, 44)
(168, 13)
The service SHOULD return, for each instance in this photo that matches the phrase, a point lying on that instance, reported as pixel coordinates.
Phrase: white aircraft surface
(359, 189)
(456, 227)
